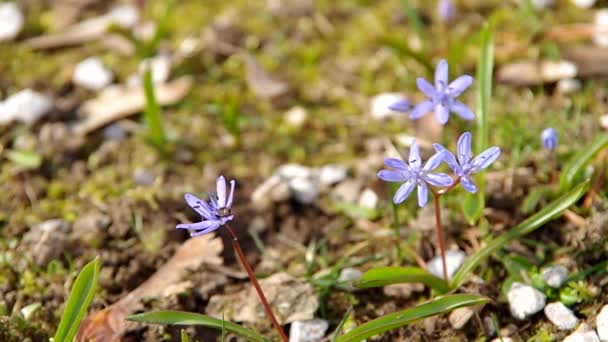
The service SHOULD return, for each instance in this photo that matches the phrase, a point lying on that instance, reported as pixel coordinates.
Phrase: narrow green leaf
(184, 336)
(413, 19)
(472, 206)
(25, 159)
(153, 114)
(190, 318)
(382, 276)
(398, 319)
(81, 296)
(576, 165)
(356, 211)
(529, 225)
(336, 334)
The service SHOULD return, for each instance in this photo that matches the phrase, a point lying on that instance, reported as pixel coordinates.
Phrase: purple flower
(413, 173)
(442, 97)
(446, 10)
(215, 213)
(549, 137)
(465, 165)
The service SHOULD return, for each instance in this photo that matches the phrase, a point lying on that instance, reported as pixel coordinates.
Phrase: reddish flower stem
(441, 240)
(254, 281)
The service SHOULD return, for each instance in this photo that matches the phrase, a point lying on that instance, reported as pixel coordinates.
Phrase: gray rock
(45, 241)
(90, 228)
(561, 316)
(404, 290)
(347, 191)
(143, 177)
(26, 106)
(453, 260)
(555, 276)
(601, 322)
(348, 275)
(525, 300)
(290, 171)
(568, 86)
(461, 316)
(92, 74)
(332, 174)
(584, 333)
(273, 189)
(368, 199)
(305, 189)
(308, 331)
(11, 21)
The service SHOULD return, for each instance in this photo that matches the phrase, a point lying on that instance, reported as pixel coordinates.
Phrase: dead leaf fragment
(526, 73)
(260, 81)
(109, 324)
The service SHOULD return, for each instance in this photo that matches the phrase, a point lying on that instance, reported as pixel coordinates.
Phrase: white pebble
(92, 74)
(553, 71)
(125, 16)
(11, 21)
(368, 199)
(296, 116)
(584, 3)
(308, 331)
(332, 174)
(348, 275)
(600, 38)
(604, 121)
(568, 86)
(305, 190)
(290, 171)
(561, 316)
(160, 66)
(555, 276)
(525, 300)
(380, 103)
(602, 323)
(453, 260)
(502, 339)
(584, 333)
(26, 106)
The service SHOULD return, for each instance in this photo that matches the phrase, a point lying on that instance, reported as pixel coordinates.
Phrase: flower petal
(434, 161)
(400, 106)
(463, 149)
(198, 225)
(442, 113)
(206, 231)
(197, 204)
(459, 85)
(438, 179)
(448, 157)
(425, 87)
(441, 75)
(421, 109)
(404, 191)
(468, 184)
(462, 110)
(396, 164)
(485, 158)
(414, 158)
(230, 196)
(393, 176)
(423, 194)
(220, 185)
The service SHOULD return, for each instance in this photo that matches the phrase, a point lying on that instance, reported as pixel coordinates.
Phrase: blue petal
(393, 176)
(197, 204)
(434, 161)
(426, 87)
(414, 158)
(468, 185)
(220, 185)
(448, 157)
(230, 197)
(396, 164)
(423, 194)
(403, 192)
(401, 106)
(198, 225)
(462, 110)
(441, 75)
(206, 231)
(459, 85)
(421, 109)
(438, 179)
(549, 138)
(485, 158)
(463, 148)
(442, 113)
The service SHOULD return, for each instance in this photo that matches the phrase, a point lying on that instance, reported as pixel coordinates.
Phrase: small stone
(461, 316)
(553, 71)
(11, 21)
(489, 326)
(290, 171)
(561, 316)
(143, 177)
(568, 86)
(525, 300)
(92, 74)
(453, 260)
(404, 290)
(584, 3)
(305, 190)
(332, 174)
(380, 103)
(308, 331)
(89, 229)
(600, 37)
(602, 323)
(604, 121)
(273, 189)
(584, 333)
(368, 199)
(296, 116)
(114, 131)
(160, 66)
(45, 241)
(555, 276)
(26, 106)
(126, 16)
(349, 275)
(347, 191)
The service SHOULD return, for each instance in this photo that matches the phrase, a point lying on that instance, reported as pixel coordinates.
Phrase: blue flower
(446, 10)
(549, 138)
(215, 213)
(442, 97)
(414, 173)
(465, 165)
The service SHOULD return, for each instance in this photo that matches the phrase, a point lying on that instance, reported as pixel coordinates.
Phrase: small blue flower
(446, 10)
(215, 213)
(442, 97)
(413, 173)
(465, 165)
(549, 138)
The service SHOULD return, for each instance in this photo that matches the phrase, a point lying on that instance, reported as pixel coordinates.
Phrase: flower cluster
(549, 138)
(464, 165)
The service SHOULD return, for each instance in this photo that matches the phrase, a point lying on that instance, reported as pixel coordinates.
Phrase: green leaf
(334, 336)
(576, 165)
(356, 211)
(81, 296)
(534, 197)
(472, 206)
(414, 19)
(190, 318)
(184, 336)
(382, 276)
(153, 113)
(529, 225)
(398, 319)
(25, 159)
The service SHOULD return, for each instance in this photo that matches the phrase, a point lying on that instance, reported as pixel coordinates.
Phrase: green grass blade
(184, 336)
(529, 225)
(153, 114)
(336, 334)
(413, 18)
(576, 165)
(190, 318)
(398, 319)
(80, 297)
(382, 276)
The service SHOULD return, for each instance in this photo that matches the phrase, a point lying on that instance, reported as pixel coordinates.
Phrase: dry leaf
(260, 82)
(109, 324)
(526, 73)
(590, 60)
(123, 102)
